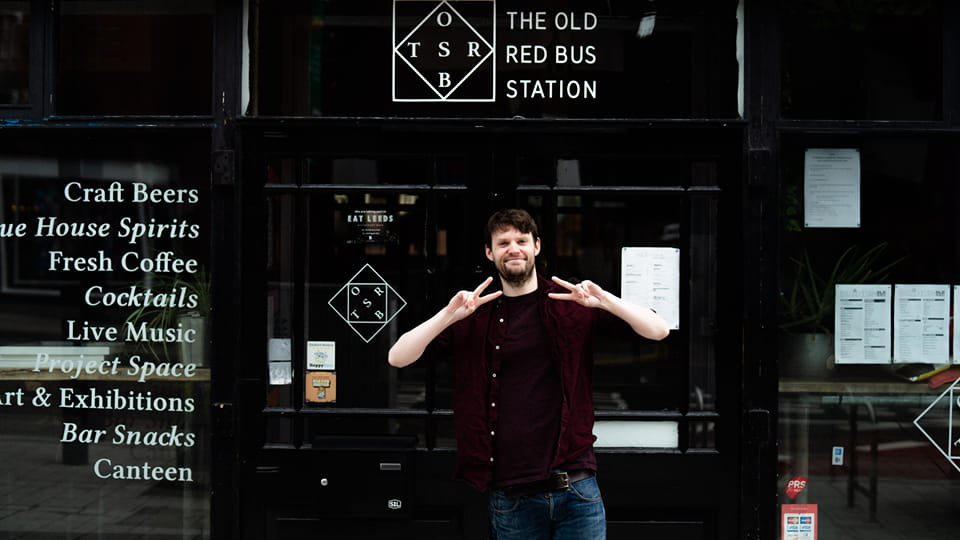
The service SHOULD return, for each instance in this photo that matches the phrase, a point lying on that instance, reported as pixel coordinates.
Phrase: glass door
(356, 236)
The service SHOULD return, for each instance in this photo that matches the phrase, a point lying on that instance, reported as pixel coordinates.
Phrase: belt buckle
(564, 480)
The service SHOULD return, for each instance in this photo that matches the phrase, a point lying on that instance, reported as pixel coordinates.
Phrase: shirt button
(493, 404)
(492, 433)
(491, 459)
(494, 375)
(501, 320)
(497, 347)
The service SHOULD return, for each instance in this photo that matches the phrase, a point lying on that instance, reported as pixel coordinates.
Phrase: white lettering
(143, 193)
(526, 54)
(163, 369)
(528, 20)
(10, 230)
(413, 48)
(568, 21)
(164, 262)
(104, 468)
(88, 436)
(75, 192)
(60, 262)
(551, 89)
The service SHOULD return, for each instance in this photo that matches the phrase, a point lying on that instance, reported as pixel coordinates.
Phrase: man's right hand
(411, 345)
(464, 303)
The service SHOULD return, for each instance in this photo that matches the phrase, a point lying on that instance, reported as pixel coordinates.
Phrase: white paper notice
(922, 324)
(831, 187)
(650, 276)
(862, 324)
(278, 361)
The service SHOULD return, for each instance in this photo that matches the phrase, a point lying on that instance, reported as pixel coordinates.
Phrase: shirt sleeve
(440, 346)
(609, 325)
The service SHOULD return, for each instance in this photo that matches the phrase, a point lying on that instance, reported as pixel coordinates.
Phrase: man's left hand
(586, 293)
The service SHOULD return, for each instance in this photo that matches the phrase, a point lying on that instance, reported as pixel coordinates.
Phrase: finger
(484, 285)
(484, 299)
(592, 288)
(569, 286)
(460, 298)
(563, 296)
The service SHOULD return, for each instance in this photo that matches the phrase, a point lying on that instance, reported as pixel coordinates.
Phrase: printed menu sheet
(650, 276)
(922, 324)
(862, 324)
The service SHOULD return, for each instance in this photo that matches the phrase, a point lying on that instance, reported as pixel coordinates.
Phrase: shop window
(862, 60)
(362, 246)
(585, 59)
(104, 372)
(136, 57)
(865, 339)
(14, 53)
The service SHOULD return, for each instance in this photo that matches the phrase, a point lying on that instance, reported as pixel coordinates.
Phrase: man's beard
(515, 277)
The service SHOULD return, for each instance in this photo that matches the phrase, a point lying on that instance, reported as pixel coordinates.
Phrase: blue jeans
(573, 514)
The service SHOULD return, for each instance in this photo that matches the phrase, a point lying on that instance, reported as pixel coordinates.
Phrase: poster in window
(831, 187)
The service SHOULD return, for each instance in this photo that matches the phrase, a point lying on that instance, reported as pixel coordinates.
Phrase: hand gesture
(464, 303)
(586, 293)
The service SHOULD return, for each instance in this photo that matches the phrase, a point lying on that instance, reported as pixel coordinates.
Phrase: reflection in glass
(279, 301)
(882, 60)
(107, 432)
(630, 373)
(874, 446)
(371, 171)
(14, 53)
(135, 57)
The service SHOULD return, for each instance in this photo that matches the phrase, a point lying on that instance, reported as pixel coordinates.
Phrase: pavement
(41, 497)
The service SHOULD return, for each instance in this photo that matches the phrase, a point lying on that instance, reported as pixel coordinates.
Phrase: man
(523, 402)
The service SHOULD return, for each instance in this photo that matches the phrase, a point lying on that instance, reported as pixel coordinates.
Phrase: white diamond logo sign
(367, 303)
(937, 423)
(444, 51)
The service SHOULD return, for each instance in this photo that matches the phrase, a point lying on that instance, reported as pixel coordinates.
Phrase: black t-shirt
(530, 397)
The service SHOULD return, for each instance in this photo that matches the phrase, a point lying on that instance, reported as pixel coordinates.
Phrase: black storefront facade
(218, 216)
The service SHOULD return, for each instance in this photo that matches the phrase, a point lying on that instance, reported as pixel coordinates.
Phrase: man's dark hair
(519, 219)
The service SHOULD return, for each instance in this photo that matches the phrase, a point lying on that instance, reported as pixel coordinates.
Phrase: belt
(556, 482)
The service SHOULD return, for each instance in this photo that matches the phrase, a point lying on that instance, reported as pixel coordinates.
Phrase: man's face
(513, 253)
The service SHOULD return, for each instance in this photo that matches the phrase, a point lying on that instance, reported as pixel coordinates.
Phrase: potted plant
(807, 305)
(190, 317)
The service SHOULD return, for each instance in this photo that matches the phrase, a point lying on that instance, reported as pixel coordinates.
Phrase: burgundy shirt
(473, 343)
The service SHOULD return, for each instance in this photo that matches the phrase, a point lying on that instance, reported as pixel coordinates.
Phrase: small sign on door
(799, 521)
(321, 387)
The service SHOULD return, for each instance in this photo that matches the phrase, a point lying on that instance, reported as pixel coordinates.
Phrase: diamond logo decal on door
(937, 423)
(367, 303)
